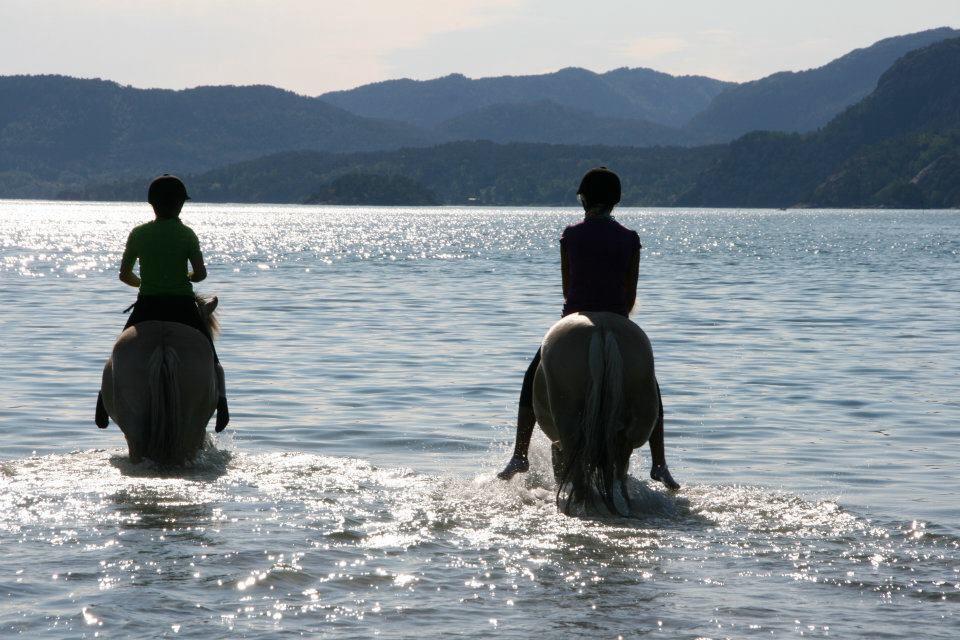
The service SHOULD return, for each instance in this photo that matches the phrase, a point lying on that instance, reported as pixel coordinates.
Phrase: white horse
(595, 396)
(160, 387)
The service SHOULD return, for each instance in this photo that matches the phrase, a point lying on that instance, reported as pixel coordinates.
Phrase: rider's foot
(223, 414)
(101, 417)
(516, 465)
(661, 473)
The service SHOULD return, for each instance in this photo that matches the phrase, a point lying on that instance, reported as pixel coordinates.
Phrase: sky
(314, 46)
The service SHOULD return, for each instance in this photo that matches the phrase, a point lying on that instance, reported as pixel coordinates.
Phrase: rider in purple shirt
(599, 263)
(599, 256)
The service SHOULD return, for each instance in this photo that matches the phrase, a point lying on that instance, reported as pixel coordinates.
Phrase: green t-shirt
(163, 246)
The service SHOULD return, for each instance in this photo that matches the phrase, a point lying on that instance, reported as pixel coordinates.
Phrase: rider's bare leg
(657, 453)
(526, 421)
(519, 463)
(100, 417)
(659, 470)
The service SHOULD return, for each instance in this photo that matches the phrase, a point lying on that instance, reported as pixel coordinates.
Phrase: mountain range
(63, 130)
(899, 147)
(802, 101)
(65, 136)
(888, 149)
(641, 94)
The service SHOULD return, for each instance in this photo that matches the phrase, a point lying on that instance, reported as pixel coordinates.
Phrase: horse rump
(165, 437)
(591, 467)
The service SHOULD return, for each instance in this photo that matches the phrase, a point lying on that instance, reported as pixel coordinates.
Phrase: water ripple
(808, 364)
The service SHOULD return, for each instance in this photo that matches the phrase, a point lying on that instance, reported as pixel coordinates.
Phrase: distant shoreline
(573, 208)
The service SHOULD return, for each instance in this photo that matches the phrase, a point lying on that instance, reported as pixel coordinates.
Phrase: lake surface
(809, 362)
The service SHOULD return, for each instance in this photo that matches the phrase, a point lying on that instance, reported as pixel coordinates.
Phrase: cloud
(309, 46)
(724, 36)
(313, 46)
(652, 47)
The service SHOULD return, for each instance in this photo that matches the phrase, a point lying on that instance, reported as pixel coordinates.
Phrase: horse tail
(166, 421)
(590, 462)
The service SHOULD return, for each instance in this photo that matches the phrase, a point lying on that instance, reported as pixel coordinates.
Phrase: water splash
(258, 542)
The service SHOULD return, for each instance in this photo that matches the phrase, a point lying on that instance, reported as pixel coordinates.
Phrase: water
(809, 363)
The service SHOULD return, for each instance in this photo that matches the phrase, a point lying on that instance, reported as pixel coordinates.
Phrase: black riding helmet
(167, 190)
(600, 186)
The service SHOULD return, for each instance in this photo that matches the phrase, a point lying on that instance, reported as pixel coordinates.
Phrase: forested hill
(63, 130)
(642, 94)
(806, 100)
(553, 123)
(897, 147)
(456, 172)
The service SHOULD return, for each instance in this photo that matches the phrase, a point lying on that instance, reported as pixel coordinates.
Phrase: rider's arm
(199, 272)
(199, 269)
(564, 270)
(631, 281)
(126, 264)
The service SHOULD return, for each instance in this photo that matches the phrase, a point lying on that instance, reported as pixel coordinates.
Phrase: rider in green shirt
(163, 247)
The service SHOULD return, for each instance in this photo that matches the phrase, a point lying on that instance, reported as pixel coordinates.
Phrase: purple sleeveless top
(598, 253)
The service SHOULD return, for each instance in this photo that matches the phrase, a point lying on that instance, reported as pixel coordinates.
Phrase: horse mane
(213, 323)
